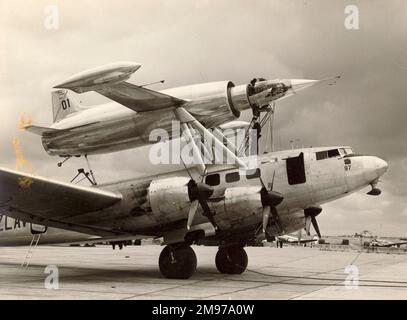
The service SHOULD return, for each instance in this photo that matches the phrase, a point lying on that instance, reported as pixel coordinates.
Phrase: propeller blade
(262, 183)
(277, 219)
(266, 216)
(192, 212)
(307, 225)
(272, 180)
(315, 225)
(299, 235)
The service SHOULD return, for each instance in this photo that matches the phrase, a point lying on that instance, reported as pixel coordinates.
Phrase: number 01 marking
(65, 104)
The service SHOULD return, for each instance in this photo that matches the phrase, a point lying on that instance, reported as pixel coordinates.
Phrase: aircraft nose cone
(300, 84)
(381, 166)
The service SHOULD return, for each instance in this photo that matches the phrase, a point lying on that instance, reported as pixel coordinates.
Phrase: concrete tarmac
(133, 273)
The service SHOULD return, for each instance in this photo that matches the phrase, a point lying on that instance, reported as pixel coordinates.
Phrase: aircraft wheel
(177, 262)
(231, 260)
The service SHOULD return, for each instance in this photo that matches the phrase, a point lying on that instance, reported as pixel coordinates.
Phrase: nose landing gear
(375, 191)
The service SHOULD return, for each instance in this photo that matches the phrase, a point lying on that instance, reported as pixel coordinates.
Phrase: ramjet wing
(109, 81)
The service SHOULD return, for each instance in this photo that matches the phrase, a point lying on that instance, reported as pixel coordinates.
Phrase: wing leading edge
(47, 199)
(109, 81)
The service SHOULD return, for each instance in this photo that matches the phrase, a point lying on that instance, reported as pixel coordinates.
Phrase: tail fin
(63, 105)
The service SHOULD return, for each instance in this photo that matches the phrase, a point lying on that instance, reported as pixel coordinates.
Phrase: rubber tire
(231, 260)
(181, 266)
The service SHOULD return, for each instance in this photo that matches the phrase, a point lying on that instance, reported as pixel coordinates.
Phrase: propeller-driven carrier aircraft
(231, 204)
(281, 195)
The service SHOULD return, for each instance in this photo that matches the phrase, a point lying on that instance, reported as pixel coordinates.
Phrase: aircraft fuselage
(158, 205)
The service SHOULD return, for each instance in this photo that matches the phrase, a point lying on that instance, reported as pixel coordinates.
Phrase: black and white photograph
(173, 150)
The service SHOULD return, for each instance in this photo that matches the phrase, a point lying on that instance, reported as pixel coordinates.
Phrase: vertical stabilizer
(63, 105)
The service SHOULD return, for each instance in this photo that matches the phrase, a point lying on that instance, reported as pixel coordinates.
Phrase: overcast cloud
(187, 42)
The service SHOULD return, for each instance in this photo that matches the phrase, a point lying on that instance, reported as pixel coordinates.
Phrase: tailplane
(63, 105)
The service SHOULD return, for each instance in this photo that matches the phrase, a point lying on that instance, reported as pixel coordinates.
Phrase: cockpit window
(322, 155)
(327, 154)
(333, 153)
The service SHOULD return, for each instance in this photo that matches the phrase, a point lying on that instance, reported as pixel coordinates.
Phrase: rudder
(63, 105)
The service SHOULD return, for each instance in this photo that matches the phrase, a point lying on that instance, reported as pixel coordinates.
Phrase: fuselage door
(296, 170)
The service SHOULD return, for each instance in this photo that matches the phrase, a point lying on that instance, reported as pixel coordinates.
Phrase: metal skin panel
(169, 198)
(328, 177)
(208, 102)
(242, 205)
(158, 205)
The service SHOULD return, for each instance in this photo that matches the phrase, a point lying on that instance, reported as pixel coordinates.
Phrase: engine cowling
(169, 199)
(243, 205)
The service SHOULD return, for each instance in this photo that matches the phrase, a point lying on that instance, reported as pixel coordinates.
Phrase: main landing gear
(178, 261)
(231, 260)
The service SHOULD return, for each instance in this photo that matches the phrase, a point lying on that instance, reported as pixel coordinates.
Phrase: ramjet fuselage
(112, 127)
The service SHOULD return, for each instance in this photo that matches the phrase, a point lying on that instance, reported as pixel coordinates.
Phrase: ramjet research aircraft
(126, 121)
(282, 195)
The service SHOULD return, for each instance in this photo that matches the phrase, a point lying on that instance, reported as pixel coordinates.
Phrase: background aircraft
(386, 243)
(281, 196)
(288, 238)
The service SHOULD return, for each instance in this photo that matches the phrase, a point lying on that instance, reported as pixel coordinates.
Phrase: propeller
(199, 193)
(310, 218)
(270, 199)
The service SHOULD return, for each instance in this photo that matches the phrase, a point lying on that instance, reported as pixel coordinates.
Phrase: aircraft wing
(109, 81)
(391, 244)
(30, 198)
(307, 240)
(138, 98)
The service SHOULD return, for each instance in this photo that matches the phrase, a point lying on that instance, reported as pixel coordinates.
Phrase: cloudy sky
(186, 41)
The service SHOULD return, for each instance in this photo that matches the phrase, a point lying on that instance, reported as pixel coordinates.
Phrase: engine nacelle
(169, 199)
(242, 203)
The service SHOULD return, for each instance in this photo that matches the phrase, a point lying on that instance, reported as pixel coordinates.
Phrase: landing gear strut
(177, 261)
(231, 260)
(86, 174)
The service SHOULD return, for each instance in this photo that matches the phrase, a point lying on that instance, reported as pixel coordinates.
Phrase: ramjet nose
(300, 84)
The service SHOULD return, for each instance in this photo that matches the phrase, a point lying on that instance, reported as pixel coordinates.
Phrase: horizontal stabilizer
(40, 130)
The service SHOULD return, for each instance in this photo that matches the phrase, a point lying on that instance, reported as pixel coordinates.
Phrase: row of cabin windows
(214, 179)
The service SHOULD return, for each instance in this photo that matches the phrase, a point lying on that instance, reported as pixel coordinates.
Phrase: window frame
(213, 184)
(234, 175)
